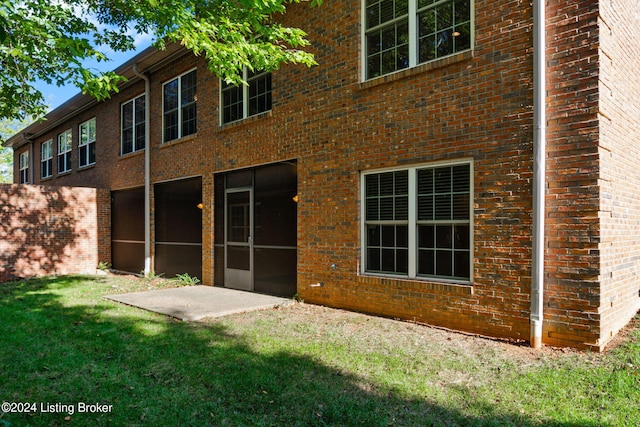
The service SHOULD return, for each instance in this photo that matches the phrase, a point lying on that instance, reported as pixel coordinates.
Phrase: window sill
(178, 141)
(65, 173)
(244, 121)
(87, 167)
(132, 154)
(428, 285)
(419, 69)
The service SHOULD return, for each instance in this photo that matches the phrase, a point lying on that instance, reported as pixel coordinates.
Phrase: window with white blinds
(418, 222)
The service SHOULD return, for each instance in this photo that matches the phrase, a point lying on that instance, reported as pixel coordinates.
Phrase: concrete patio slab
(198, 302)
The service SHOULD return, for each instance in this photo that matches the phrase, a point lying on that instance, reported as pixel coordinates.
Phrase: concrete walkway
(198, 302)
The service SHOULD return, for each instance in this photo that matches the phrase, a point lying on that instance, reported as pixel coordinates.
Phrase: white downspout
(147, 162)
(539, 175)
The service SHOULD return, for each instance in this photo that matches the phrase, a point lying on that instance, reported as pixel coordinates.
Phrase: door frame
(238, 278)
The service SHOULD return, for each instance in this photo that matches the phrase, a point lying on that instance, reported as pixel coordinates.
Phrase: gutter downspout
(539, 175)
(147, 162)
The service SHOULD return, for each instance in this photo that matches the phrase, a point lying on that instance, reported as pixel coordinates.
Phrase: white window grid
(86, 143)
(46, 159)
(412, 222)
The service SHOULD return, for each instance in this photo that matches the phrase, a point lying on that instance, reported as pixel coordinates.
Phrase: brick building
(397, 177)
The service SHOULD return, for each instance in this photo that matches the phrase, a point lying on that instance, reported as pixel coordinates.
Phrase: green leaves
(47, 41)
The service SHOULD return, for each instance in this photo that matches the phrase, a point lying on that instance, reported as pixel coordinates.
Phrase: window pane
(402, 261)
(443, 29)
(463, 37)
(171, 126)
(425, 208)
(373, 259)
(188, 88)
(388, 260)
(444, 15)
(373, 235)
(140, 109)
(82, 152)
(443, 206)
(443, 236)
(92, 153)
(402, 236)
(372, 213)
(127, 141)
(427, 48)
(461, 206)
(443, 263)
(127, 115)
(371, 185)
(386, 208)
(426, 262)
(461, 237)
(232, 104)
(260, 94)
(443, 180)
(426, 237)
(386, 184)
(461, 264)
(389, 236)
(140, 136)
(170, 96)
(189, 120)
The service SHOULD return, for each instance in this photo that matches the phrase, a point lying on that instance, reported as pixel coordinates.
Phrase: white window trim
(23, 167)
(413, 39)
(69, 150)
(45, 159)
(87, 143)
(133, 100)
(179, 78)
(245, 97)
(413, 245)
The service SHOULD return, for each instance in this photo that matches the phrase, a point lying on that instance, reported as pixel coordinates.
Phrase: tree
(50, 41)
(8, 128)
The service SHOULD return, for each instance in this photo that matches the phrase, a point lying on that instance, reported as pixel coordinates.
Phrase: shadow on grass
(156, 371)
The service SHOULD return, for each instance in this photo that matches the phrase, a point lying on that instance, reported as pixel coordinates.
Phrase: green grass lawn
(63, 344)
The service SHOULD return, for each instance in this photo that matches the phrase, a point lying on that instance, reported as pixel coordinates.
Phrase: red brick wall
(619, 151)
(52, 230)
(572, 287)
(474, 105)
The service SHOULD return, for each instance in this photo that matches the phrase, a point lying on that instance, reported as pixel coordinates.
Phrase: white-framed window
(46, 159)
(399, 34)
(179, 112)
(133, 125)
(417, 222)
(240, 102)
(64, 151)
(87, 143)
(24, 167)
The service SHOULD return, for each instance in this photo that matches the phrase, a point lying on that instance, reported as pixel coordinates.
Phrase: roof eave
(147, 60)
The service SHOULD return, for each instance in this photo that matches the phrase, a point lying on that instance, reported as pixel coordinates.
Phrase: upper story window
(64, 152)
(179, 98)
(24, 167)
(46, 159)
(239, 102)
(87, 143)
(417, 222)
(404, 33)
(133, 125)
